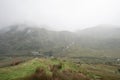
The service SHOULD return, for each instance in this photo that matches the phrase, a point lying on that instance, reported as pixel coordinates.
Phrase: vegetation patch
(56, 69)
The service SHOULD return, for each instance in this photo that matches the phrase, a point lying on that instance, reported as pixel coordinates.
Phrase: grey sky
(60, 14)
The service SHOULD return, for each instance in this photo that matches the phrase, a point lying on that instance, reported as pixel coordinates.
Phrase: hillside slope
(96, 41)
(47, 68)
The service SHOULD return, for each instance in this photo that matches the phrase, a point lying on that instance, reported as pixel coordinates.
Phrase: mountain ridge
(87, 42)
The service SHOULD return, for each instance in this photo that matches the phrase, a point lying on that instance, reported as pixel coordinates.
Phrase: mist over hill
(103, 41)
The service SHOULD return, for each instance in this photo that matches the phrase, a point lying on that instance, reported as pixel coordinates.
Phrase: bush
(57, 74)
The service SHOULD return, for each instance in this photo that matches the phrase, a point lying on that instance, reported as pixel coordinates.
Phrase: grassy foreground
(55, 69)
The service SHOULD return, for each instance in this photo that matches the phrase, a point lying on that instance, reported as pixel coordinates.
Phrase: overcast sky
(60, 14)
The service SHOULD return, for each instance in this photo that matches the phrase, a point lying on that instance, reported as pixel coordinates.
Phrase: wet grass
(56, 69)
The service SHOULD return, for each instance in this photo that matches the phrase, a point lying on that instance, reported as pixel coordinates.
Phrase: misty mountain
(103, 40)
(97, 41)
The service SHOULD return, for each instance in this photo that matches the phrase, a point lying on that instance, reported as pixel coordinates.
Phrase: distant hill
(99, 41)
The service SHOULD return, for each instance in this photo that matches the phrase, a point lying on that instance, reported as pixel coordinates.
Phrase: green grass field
(91, 71)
